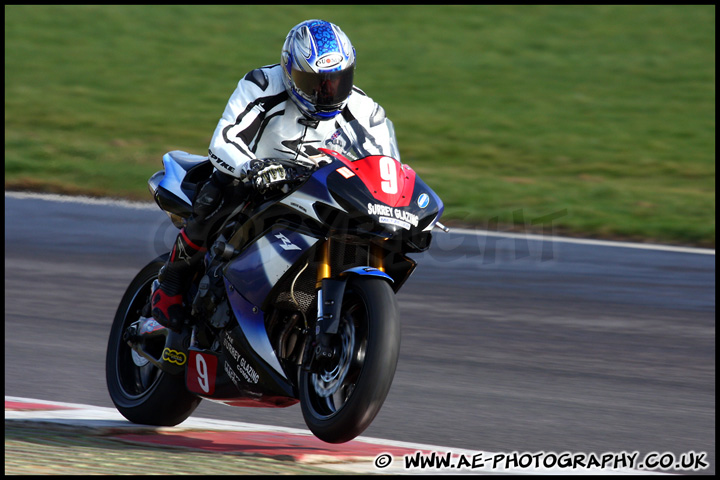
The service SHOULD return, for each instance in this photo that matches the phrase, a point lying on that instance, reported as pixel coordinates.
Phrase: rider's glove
(265, 174)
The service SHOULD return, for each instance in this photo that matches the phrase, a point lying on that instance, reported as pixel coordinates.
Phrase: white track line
(464, 231)
(52, 197)
(583, 241)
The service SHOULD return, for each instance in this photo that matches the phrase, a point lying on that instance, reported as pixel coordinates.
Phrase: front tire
(141, 392)
(340, 403)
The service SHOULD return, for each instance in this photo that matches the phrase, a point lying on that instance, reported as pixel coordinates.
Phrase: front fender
(371, 271)
(331, 294)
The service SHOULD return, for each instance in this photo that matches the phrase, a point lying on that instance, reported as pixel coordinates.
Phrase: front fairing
(385, 197)
(408, 220)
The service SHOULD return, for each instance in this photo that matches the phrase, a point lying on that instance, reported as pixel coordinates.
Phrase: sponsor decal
(345, 172)
(286, 244)
(394, 221)
(423, 200)
(329, 60)
(298, 206)
(392, 215)
(247, 371)
(230, 373)
(220, 161)
(173, 356)
(227, 343)
(243, 367)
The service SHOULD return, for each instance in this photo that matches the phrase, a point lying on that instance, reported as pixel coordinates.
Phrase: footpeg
(142, 329)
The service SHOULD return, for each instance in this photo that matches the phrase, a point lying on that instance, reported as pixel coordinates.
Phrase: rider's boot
(175, 278)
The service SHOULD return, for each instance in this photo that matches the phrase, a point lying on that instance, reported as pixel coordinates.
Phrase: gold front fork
(323, 270)
(377, 254)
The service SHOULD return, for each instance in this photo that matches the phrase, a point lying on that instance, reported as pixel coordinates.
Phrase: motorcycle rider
(277, 111)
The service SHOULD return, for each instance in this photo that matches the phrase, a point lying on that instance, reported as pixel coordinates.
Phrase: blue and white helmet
(318, 63)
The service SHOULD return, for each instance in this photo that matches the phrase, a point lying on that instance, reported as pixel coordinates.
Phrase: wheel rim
(330, 390)
(329, 382)
(135, 374)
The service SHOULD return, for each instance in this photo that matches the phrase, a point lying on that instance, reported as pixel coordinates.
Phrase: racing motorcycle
(296, 300)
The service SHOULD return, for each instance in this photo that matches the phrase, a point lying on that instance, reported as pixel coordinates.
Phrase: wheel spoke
(339, 398)
(145, 375)
(136, 378)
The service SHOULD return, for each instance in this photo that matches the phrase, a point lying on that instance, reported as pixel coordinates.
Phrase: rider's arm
(372, 117)
(256, 94)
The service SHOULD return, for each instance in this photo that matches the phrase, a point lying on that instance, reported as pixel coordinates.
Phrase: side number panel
(201, 372)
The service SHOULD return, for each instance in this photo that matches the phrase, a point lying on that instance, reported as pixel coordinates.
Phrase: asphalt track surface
(508, 344)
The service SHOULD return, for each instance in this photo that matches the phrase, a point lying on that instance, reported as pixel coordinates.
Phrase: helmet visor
(325, 90)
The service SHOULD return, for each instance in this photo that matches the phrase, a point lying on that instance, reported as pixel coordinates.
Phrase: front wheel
(141, 392)
(341, 401)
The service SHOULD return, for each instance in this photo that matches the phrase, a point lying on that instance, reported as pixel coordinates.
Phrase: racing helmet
(318, 63)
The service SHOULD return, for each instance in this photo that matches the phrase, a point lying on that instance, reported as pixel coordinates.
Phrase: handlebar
(441, 227)
(295, 173)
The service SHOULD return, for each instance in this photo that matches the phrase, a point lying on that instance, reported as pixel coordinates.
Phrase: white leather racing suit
(261, 121)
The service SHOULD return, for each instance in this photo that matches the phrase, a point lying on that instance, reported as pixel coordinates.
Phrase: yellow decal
(173, 356)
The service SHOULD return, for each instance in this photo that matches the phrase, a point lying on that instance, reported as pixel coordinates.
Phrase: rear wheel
(141, 392)
(341, 401)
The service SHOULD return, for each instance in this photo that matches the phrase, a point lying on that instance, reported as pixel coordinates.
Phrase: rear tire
(340, 404)
(141, 392)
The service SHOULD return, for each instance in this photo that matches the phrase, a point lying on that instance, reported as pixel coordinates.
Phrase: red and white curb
(361, 455)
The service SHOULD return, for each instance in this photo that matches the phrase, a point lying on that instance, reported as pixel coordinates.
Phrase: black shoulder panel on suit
(258, 77)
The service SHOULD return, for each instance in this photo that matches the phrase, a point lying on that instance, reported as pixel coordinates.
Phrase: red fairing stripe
(388, 180)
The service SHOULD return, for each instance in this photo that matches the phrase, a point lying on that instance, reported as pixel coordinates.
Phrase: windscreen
(356, 142)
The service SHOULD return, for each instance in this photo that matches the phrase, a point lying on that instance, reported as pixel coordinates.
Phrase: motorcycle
(296, 301)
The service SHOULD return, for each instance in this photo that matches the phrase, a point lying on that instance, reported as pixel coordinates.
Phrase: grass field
(601, 116)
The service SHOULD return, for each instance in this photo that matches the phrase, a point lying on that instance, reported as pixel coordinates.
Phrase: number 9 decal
(202, 371)
(202, 368)
(388, 172)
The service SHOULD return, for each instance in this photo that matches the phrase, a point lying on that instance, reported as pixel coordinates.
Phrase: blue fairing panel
(259, 267)
(252, 324)
(174, 175)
